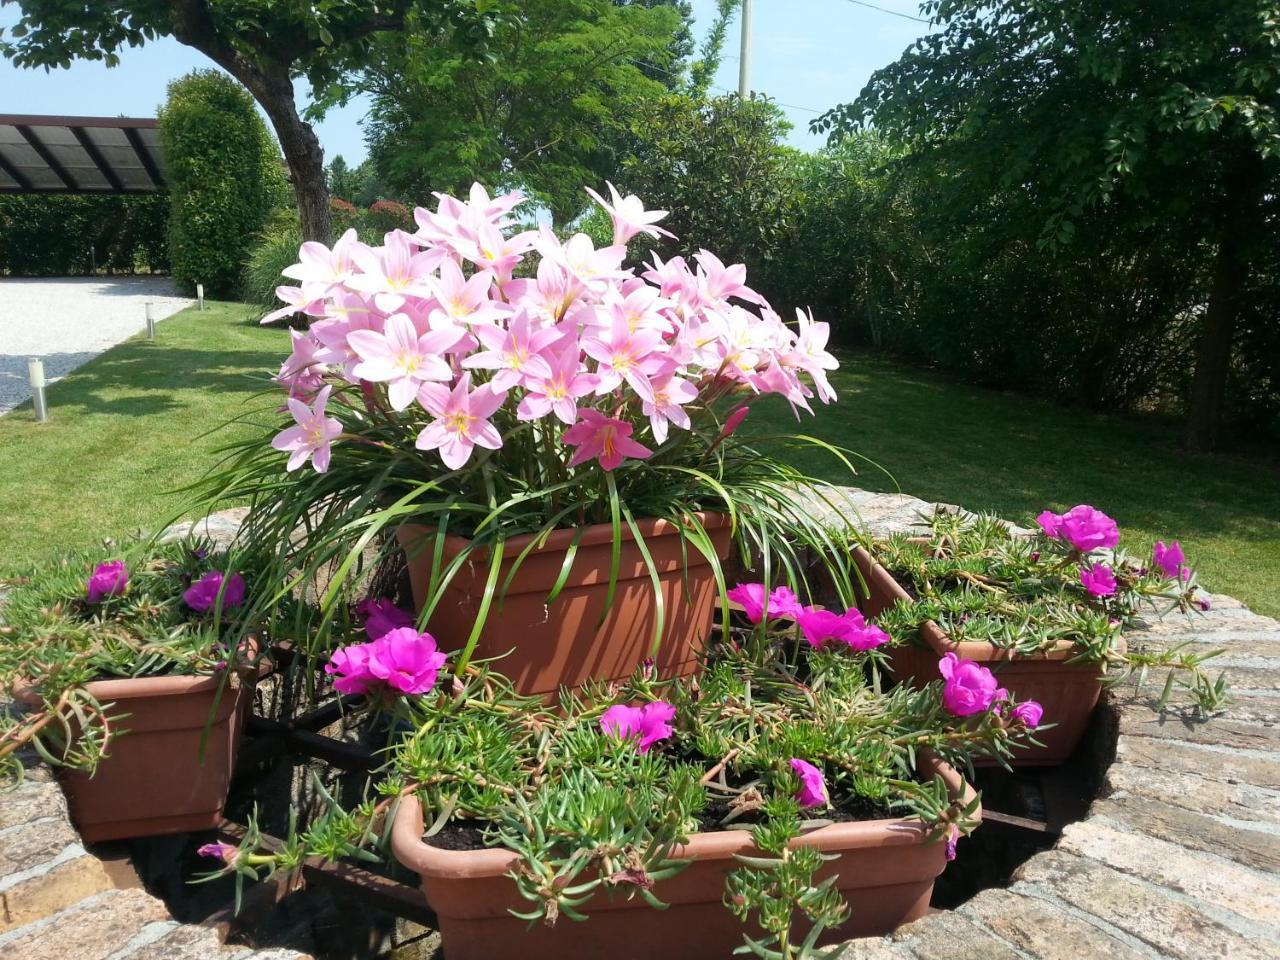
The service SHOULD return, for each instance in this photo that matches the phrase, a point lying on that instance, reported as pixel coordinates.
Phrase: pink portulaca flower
(750, 596)
(822, 627)
(813, 786)
(953, 837)
(202, 595)
(1049, 523)
(645, 725)
(1171, 560)
(381, 617)
(225, 852)
(312, 435)
(1087, 528)
(406, 660)
(1029, 713)
(402, 660)
(107, 580)
(1098, 579)
(969, 687)
(602, 438)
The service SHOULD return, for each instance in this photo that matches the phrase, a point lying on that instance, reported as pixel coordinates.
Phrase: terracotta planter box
(561, 645)
(1068, 692)
(153, 779)
(885, 868)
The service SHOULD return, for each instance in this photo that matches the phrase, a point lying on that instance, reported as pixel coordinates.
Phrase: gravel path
(67, 322)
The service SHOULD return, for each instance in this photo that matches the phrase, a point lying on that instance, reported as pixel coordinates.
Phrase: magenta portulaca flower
(645, 725)
(1084, 527)
(822, 627)
(107, 580)
(1029, 713)
(381, 617)
(602, 357)
(402, 660)
(203, 594)
(224, 852)
(813, 785)
(1170, 559)
(750, 596)
(1098, 579)
(968, 687)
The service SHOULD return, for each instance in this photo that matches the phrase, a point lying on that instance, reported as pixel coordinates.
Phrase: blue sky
(810, 54)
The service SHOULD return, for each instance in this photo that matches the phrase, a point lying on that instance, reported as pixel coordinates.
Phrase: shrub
(225, 179)
(274, 248)
(48, 235)
(386, 215)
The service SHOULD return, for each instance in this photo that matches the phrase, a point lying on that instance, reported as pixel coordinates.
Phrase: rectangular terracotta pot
(1068, 692)
(567, 644)
(884, 868)
(153, 779)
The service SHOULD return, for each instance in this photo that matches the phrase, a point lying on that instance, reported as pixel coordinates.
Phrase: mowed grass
(1015, 456)
(134, 424)
(129, 427)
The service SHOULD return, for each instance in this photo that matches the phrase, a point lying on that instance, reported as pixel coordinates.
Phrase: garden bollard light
(35, 372)
(151, 321)
(200, 294)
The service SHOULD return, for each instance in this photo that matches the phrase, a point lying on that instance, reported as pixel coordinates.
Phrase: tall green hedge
(225, 179)
(49, 235)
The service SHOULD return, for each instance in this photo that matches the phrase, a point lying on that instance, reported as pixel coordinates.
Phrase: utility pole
(744, 53)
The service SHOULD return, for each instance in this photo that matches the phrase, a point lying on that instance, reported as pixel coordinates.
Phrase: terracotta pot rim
(166, 685)
(560, 538)
(436, 863)
(936, 639)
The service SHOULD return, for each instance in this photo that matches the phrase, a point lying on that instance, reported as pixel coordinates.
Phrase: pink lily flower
(303, 369)
(662, 399)
(402, 357)
(810, 354)
(462, 300)
(719, 282)
(604, 438)
(322, 269)
(393, 271)
(494, 252)
(559, 391)
(579, 256)
(296, 300)
(629, 216)
(312, 435)
(462, 420)
(628, 356)
(515, 353)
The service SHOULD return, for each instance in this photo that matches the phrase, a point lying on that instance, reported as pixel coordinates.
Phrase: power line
(892, 13)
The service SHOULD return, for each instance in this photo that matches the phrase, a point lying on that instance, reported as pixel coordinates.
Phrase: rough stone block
(1206, 760)
(1044, 930)
(1222, 731)
(91, 930)
(1239, 801)
(1259, 849)
(949, 936)
(1172, 926)
(47, 892)
(872, 948)
(31, 844)
(32, 800)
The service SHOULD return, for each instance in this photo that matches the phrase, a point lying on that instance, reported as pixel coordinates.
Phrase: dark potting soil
(469, 834)
(905, 583)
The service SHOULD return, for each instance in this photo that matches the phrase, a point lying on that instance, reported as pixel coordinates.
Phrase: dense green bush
(50, 235)
(225, 179)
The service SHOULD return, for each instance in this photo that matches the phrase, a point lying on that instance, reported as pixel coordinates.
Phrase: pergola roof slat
(85, 155)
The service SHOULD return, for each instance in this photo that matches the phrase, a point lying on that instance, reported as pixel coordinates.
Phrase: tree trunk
(302, 152)
(1241, 213)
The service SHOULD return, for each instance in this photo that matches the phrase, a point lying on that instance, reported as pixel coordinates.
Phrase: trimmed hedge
(45, 235)
(225, 179)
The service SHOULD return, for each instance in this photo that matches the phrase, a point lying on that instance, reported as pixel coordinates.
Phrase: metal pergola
(80, 155)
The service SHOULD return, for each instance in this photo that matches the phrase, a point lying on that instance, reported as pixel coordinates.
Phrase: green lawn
(127, 428)
(1014, 456)
(130, 426)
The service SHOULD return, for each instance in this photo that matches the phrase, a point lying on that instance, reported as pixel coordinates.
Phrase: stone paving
(1180, 857)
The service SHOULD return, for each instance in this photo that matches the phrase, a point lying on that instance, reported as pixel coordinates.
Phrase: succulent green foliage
(53, 642)
(980, 583)
(590, 815)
